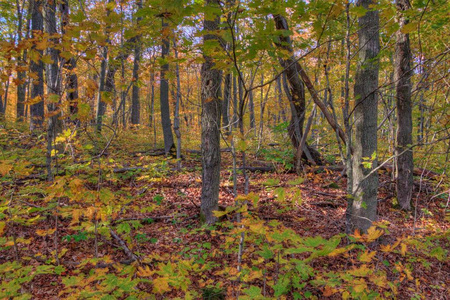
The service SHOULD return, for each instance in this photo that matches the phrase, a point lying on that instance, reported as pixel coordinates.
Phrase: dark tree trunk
(211, 113)
(363, 204)
(251, 107)
(402, 77)
(295, 92)
(135, 104)
(235, 101)
(70, 66)
(226, 101)
(280, 99)
(166, 122)
(21, 74)
(37, 67)
(101, 105)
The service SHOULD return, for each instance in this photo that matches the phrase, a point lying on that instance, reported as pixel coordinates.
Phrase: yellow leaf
(373, 233)
(45, 232)
(380, 280)
(2, 227)
(5, 167)
(144, 271)
(367, 256)
(161, 285)
(359, 285)
(361, 272)
(75, 216)
(403, 249)
(8, 243)
(257, 228)
(42, 45)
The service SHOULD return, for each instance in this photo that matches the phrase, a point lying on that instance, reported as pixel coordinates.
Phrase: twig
(124, 246)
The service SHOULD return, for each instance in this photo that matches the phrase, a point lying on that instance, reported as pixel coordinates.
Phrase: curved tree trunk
(295, 93)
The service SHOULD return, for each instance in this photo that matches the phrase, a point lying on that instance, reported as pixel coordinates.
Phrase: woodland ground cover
(125, 225)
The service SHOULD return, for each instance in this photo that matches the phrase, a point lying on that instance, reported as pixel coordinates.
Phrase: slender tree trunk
(235, 101)
(365, 186)
(53, 85)
(402, 77)
(211, 113)
(166, 123)
(346, 117)
(226, 101)
(37, 68)
(280, 99)
(101, 105)
(152, 98)
(135, 104)
(21, 74)
(176, 119)
(70, 65)
(251, 107)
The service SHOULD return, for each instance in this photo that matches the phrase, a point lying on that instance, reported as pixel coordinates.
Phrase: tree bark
(101, 105)
(21, 74)
(402, 77)
(135, 104)
(166, 123)
(53, 85)
(176, 117)
(364, 197)
(37, 68)
(211, 113)
(70, 66)
(295, 92)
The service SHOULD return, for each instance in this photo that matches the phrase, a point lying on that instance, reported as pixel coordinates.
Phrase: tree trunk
(166, 123)
(402, 77)
(176, 118)
(70, 66)
(21, 74)
(235, 102)
(101, 105)
(37, 67)
(226, 101)
(295, 92)
(135, 104)
(365, 187)
(211, 113)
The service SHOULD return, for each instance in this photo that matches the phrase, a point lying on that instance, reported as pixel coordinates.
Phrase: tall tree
(295, 92)
(402, 77)
(37, 68)
(21, 59)
(70, 65)
(166, 123)
(363, 204)
(135, 104)
(211, 114)
(101, 105)
(53, 83)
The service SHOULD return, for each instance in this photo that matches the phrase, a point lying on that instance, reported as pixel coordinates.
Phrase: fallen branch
(124, 246)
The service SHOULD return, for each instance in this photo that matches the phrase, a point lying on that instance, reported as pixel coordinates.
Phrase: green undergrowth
(71, 235)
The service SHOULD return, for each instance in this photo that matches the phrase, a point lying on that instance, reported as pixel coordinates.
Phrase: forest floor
(127, 224)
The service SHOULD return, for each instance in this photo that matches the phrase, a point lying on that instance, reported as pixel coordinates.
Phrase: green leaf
(253, 292)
